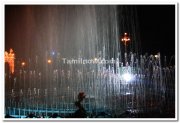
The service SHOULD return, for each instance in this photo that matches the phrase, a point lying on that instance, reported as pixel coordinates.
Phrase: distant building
(9, 58)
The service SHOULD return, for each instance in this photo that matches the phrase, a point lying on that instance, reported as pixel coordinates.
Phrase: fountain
(47, 84)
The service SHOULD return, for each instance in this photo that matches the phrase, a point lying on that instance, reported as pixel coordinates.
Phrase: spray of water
(48, 85)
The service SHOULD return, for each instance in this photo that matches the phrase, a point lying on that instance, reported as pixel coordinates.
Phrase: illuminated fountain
(143, 85)
(44, 84)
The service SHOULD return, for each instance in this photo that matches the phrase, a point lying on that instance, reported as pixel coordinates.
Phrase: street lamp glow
(23, 64)
(127, 77)
(125, 39)
(49, 61)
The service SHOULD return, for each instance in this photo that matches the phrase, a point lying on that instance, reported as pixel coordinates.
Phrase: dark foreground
(126, 114)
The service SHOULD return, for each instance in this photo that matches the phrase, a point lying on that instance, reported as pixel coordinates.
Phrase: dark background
(157, 29)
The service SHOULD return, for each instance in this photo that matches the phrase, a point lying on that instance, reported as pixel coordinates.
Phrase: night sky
(156, 28)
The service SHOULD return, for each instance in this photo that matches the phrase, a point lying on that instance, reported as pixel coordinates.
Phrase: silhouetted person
(81, 112)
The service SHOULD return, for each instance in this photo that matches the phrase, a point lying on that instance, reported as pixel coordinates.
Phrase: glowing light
(156, 56)
(95, 59)
(49, 61)
(128, 93)
(9, 58)
(127, 77)
(23, 63)
(53, 53)
(125, 38)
